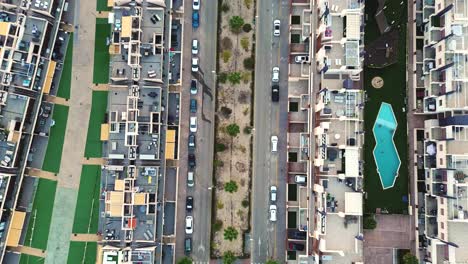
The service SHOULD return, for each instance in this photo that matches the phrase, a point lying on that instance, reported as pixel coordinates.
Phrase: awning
(4, 27)
(126, 26)
(49, 77)
(353, 203)
(16, 226)
(104, 132)
(351, 162)
(353, 26)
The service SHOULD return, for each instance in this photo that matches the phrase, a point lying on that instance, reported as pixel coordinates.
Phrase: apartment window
(440, 61)
(427, 134)
(440, 47)
(441, 161)
(441, 147)
(440, 102)
(442, 225)
(441, 201)
(439, 6)
(442, 211)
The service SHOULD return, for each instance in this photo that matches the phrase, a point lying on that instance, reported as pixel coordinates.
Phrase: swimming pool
(385, 152)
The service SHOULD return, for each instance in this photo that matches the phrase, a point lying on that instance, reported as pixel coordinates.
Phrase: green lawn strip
(87, 206)
(101, 51)
(28, 259)
(394, 93)
(93, 146)
(82, 253)
(41, 215)
(65, 79)
(54, 149)
(102, 6)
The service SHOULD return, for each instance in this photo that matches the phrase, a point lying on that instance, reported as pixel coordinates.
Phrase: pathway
(75, 140)
(41, 174)
(56, 100)
(30, 251)
(85, 237)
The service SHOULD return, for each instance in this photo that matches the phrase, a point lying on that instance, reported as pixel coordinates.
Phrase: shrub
(230, 233)
(222, 77)
(409, 258)
(218, 163)
(226, 43)
(236, 23)
(245, 43)
(248, 3)
(226, 55)
(218, 224)
(247, 130)
(226, 111)
(245, 203)
(224, 7)
(246, 77)
(230, 187)
(369, 222)
(220, 147)
(234, 77)
(247, 28)
(249, 63)
(233, 130)
(229, 258)
(219, 205)
(185, 260)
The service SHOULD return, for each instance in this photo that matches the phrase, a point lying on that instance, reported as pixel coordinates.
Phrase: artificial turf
(87, 206)
(102, 6)
(28, 259)
(53, 155)
(393, 92)
(93, 146)
(101, 52)
(41, 215)
(82, 253)
(65, 79)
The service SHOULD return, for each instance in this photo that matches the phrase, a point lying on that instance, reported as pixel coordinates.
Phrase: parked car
(275, 93)
(189, 204)
(274, 143)
(300, 179)
(190, 179)
(273, 192)
(191, 141)
(196, 5)
(275, 77)
(273, 213)
(193, 124)
(194, 46)
(194, 85)
(194, 64)
(296, 234)
(188, 245)
(191, 160)
(193, 105)
(189, 225)
(295, 246)
(195, 19)
(276, 27)
(302, 58)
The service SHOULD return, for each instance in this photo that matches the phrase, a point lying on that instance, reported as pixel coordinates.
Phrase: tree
(222, 77)
(229, 257)
(247, 28)
(409, 258)
(245, 203)
(236, 23)
(230, 233)
(234, 77)
(249, 63)
(233, 130)
(247, 130)
(185, 260)
(369, 222)
(230, 186)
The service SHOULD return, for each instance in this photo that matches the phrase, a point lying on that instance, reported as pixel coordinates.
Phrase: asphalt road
(270, 118)
(206, 34)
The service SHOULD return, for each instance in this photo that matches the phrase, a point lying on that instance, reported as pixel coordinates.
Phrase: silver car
(275, 75)
(276, 27)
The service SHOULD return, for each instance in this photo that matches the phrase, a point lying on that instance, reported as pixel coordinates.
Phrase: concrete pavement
(206, 34)
(268, 239)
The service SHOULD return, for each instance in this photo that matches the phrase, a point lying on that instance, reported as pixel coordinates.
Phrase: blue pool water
(385, 153)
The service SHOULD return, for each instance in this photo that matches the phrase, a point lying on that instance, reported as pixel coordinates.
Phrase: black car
(296, 234)
(191, 160)
(188, 245)
(275, 93)
(295, 246)
(189, 204)
(193, 105)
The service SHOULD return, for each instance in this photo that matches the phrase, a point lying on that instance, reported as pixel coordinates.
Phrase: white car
(274, 143)
(275, 77)
(300, 179)
(194, 64)
(189, 225)
(302, 58)
(190, 179)
(196, 5)
(276, 27)
(194, 46)
(273, 213)
(273, 191)
(193, 124)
